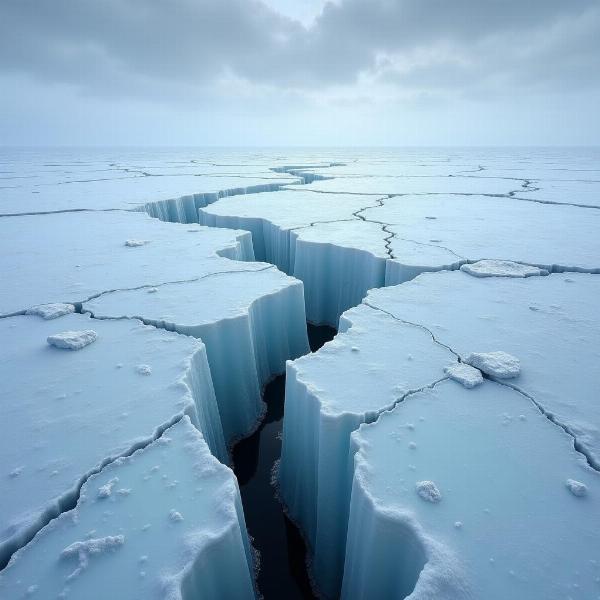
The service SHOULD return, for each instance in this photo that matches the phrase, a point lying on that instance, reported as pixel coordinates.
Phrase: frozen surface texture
(68, 413)
(501, 268)
(550, 324)
(69, 258)
(501, 525)
(251, 319)
(125, 544)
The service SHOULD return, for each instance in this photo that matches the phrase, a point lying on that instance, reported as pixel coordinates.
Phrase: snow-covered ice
(501, 268)
(250, 317)
(72, 340)
(498, 364)
(68, 258)
(550, 324)
(521, 533)
(136, 545)
(465, 374)
(67, 413)
(51, 311)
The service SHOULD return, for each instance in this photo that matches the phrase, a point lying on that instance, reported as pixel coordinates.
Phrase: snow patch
(466, 375)
(428, 491)
(51, 311)
(136, 243)
(501, 268)
(576, 488)
(144, 369)
(73, 340)
(496, 364)
(105, 491)
(84, 550)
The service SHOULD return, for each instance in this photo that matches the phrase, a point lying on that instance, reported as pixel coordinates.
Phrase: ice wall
(251, 319)
(371, 365)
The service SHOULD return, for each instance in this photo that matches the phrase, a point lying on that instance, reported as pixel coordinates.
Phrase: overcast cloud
(313, 68)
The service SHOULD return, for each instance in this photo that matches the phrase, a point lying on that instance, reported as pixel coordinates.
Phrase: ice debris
(105, 490)
(576, 488)
(175, 516)
(83, 550)
(496, 364)
(467, 375)
(428, 491)
(73, 340)
(501, 268)
(135, 243)
(144, 369)
(51, 311)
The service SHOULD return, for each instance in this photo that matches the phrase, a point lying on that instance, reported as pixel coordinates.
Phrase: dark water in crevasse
(282, 549)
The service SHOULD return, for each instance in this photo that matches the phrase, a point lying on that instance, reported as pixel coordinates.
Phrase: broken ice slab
(171, 192)
(550, 324)
(505, 524)
(441, 232)
(166, 522)
(315, 237)
(380, 186)
(70, 257)
(66, 413)
(272, 217)
(578, 193)
(251, 322)
(372, 364)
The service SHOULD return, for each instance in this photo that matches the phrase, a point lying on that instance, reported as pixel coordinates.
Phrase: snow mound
(576, 488)
(73, 340)
(495, 364)
(428, 491)
(466, 375)
(501, 268)
(84, 550)
(51, 311)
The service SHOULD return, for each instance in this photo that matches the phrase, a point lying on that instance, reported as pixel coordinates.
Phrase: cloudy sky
(299, 72)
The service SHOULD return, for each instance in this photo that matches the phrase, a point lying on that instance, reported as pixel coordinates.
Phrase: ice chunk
(465, 374)
(495, 478)
(428, 491)
(66, 413)
(576, 488)
(250, 317)
(328, 395)
(51, 311)
(136, 243)
(73, 340)
(495, 364)
(501, 268)
(94, 550)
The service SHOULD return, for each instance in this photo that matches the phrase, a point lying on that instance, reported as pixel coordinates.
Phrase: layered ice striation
(371, 365)
(69, 258)
(165, 522)
(250, 316)
(341, 244)
(315, 237)
(550, 324)
(68, 413)
(478, 508)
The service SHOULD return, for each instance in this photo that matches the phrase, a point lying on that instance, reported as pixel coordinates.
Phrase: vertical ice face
(66, 413)
(504, 523)
(166, 522)
(550, 324)
(250, 317)
(372, 364)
